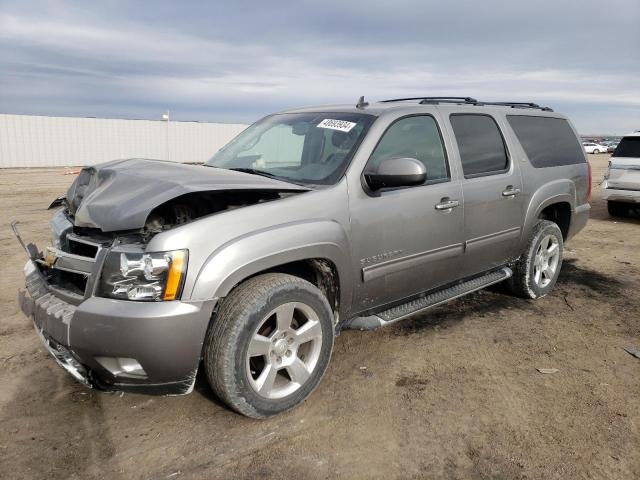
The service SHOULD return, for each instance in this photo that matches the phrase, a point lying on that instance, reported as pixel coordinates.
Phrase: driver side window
(414, 137)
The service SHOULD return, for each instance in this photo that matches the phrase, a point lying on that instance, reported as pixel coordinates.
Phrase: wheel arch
(560, 214)
(545, 203)
(321, 272)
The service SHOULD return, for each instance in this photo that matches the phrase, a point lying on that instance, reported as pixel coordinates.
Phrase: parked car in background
(594, 147)
(621, 186)
(310, 221)
(611, 146)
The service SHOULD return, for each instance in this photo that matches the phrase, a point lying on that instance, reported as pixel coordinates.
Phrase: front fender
(257, 251)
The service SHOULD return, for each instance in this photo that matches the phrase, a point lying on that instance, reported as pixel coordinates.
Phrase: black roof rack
(468, 101)
(434, 100)
(518, 105)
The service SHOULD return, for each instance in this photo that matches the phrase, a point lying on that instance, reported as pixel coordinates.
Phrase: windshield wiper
(253, 171)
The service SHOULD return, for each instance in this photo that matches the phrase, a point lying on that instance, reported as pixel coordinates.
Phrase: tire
(596, 151)
(240, 370)
(617, 209)
(530, 279)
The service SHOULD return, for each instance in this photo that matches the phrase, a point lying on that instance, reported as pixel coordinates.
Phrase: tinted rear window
(482, 149)
(547, 141)
(628, 147)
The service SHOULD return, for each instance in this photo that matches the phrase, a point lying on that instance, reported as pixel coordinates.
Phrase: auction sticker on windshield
(332, 124)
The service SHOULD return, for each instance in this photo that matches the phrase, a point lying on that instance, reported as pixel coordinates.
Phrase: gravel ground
(450, 394)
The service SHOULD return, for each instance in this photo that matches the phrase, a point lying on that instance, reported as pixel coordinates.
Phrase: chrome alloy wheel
(545, 262)
(284, 350)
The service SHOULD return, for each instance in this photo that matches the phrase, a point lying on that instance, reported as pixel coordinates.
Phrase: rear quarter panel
(545, 186)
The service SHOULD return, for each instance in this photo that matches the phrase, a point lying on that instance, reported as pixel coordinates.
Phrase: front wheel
(269, 345)
(596, 151)
(536, 271)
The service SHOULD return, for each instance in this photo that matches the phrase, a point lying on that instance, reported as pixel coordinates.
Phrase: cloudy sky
(235, 61)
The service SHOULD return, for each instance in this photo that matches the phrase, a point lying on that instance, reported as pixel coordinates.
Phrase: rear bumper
(98, 340)
(579, 219)
(616, 195)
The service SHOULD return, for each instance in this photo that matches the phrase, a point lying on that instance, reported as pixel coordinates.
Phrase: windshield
(628, 147)
(313, 148)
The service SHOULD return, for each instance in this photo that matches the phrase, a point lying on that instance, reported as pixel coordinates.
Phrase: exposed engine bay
(195, 205)
(179, 211)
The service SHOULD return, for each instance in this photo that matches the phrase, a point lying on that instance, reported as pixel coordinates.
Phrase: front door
(407, 240)
(492, 187)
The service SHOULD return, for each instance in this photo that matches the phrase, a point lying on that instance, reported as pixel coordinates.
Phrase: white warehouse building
(42, 141)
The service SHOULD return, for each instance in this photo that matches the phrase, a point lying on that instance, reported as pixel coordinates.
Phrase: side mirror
(397, 172)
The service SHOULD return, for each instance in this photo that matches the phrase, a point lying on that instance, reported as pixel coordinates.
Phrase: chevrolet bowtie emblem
(50, 257)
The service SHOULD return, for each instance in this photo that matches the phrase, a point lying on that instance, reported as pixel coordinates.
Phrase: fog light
(122, 367)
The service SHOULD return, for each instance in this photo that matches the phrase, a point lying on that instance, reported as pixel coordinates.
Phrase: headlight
(144, 276)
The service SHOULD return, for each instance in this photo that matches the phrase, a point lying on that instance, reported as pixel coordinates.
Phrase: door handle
(446, 204)
(510, 191)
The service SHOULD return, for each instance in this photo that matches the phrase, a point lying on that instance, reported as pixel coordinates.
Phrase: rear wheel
(535, 273)
(596, 151)
(269, 345)
(617, 209)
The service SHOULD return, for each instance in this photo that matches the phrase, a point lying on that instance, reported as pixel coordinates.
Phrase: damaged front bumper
(118, 345)
(47, 309)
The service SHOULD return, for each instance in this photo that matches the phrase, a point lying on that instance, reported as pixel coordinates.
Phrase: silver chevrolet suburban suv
(310, 221)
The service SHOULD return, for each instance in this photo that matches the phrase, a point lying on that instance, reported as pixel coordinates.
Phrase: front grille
(75, 283)
(81, 247)
(75, 263)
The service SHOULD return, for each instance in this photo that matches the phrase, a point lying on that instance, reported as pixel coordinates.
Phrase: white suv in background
(621, 186)
(594, 148)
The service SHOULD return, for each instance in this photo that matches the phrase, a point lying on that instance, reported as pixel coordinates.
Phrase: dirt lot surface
(450, 394)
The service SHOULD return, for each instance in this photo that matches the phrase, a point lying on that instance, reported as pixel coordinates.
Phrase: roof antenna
(361, 103)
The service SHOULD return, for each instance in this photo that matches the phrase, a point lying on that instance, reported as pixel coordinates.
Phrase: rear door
(492, 190)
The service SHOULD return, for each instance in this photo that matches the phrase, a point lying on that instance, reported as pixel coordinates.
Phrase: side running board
(439, 297)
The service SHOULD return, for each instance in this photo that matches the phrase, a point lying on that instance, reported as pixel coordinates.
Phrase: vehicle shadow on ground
(485, 303)
(589, 280)
(203, 388)
(600, 212)
(47, 403)
(497, 299)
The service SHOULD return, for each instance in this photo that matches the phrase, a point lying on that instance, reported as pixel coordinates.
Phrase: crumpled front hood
(119, 195)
